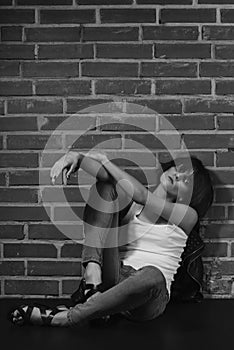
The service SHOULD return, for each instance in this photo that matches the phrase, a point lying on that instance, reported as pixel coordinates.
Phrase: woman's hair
(202, 192)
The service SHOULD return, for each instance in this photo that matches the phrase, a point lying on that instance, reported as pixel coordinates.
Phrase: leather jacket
(188, 281)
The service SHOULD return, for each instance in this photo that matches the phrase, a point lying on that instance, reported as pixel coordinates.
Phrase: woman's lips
(171, 179)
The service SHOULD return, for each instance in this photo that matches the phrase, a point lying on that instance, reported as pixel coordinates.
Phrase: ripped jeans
(140, 295)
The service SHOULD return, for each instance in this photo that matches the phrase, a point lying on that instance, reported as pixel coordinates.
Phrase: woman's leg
(142, 296)
(100, 250)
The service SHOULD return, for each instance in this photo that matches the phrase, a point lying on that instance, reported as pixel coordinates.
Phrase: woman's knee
(105, 189)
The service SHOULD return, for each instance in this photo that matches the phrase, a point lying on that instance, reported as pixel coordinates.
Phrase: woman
(151, 229)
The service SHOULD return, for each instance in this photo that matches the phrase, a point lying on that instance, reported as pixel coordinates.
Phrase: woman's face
(177, 182)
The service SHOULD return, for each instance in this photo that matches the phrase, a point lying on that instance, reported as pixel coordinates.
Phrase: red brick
(224, 195)
(225, 122)
(230, 213)
(91, 140)
(206, 157)
(28, 213)
(209, 141)
(104, 2)
(43, 2)
(17, 16)
(2, 179)
(69, 214)
(69, 286)
(219, 231)
(34, 142)
(125, 87)
(224, 52)
(225, 159)
(58, 232)
(227, 267)
(222, 177)
(28, 287)
(142, 106)
(2, 108)
(63, 87)
(12, 33)
(215, 249)
(77, 123)
(16, 51)
(227, 15)
(1, 142)
(188, 122)
(152, 141)
(66, 51)
(109, 69)
(218, 2)
(15, 88)
(183, 87)
(126, 158)
(9, 69)
(67, 194)
(200, 105)
(110, 33)
(67, 16)
(50, 69)
(71, 250)
(164, 2)
(187, 15)
(29, 250)
(130, 123)
(11, 232)
(218, 32)
(54, 268)
(22, 177)
(6, 3)
(217, 69)
(15, 160)
(232, 249)
(215, 213)
(18, 124)
(35, 106)
(56, 34)
(92, 106)
(139, 51)
(11, 268)
(224, 87)
(168, 69)
(128, 15)
(170, 33)
(19, 195)
(192, 51)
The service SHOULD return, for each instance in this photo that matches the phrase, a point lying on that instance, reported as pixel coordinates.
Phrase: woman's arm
(72, 161)
(179, 214)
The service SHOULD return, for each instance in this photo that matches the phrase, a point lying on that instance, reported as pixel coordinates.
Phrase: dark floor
(207, 325)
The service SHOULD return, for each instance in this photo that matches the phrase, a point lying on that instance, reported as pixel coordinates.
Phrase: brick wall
(59, 57)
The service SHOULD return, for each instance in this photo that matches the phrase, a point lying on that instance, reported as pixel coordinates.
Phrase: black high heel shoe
(84, 292)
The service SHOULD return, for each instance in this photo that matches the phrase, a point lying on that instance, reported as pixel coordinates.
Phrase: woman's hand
(67, 164)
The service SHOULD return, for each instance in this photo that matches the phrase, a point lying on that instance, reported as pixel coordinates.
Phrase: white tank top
(153, 244)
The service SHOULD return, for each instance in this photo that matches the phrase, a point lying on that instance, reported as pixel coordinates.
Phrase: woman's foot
(39, 315)
(89, 285)
(93, 273)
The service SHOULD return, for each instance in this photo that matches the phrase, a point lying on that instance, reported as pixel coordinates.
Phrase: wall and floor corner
(59, 57)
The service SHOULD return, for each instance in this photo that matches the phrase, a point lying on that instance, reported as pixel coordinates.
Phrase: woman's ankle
(93, 273)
